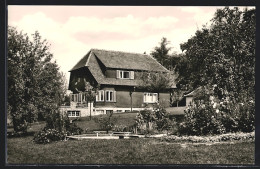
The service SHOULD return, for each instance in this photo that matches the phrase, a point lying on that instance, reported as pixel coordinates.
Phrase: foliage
(176, 96)
(57, 121)
(57, 127)
(223, 53)
(209, 115)
(88, 88)
(106, 122)
(66, 100)
(73, 129)
(123, 128)
(155, 82)
(161, 53)
(213, 139)
(48, 135)
(221, 60)
(156, 119)
(34, 81)
(200, 119)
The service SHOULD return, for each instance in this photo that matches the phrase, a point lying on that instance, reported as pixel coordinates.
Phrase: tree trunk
(15, 124)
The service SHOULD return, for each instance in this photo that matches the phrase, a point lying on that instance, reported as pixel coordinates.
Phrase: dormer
(124, 74)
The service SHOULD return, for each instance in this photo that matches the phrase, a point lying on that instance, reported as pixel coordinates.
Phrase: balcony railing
(79, 98)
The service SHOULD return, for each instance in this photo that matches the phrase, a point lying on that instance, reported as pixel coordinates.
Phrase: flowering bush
(48, 135)
(200, 119)
(217, 138)
(214, 114)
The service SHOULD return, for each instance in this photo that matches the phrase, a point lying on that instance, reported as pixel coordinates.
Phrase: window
(73, 113)
(119, 111)
(100, 111)
(69, 113)
(150, 97)
(125, 74)
(100, 96)
(109, 96)
(109, 111)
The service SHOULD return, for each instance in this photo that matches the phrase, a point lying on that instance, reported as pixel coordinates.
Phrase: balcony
(78, 100)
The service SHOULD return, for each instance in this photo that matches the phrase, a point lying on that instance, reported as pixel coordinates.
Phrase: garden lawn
(127, 151)
(125, 119)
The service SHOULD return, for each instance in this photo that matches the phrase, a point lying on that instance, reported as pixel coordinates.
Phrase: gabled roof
(126, 60)
(118, 60)
(194, 92)
(82, 62)
(122, 60)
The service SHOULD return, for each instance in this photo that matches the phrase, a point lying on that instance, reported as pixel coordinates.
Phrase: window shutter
(102, 95)
(114, 96)
(80, 97)
(117, 74)
(71, 97)
(97, 96)
(132, 74)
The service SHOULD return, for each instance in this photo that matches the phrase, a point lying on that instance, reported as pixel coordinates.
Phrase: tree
(90, 92)
(161, 53)
(177, 95)
(34, 81)
(155, 81)
(221, 58)
(89, 89)
(223, 53)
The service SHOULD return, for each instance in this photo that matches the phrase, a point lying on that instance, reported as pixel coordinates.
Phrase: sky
(73, 30)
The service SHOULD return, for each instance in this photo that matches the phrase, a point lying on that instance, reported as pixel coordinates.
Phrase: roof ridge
(117, 51)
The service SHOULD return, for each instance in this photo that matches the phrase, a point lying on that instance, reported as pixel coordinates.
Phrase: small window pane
(111, 96)
(126, 74)
(107, 95)
(77, 113)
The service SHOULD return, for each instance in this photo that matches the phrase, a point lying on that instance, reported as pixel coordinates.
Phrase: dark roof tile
(118, 60)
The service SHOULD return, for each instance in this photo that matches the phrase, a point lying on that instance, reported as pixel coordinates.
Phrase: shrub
(204, 118)
(200, 119)
(246, 117)
(106, 122)
(73, 129)
(48, 135)
(217, 138)
(57, 127)
(55, 120)
(154, 121)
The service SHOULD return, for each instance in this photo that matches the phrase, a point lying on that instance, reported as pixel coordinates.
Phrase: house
(190, 96)
(117, 77)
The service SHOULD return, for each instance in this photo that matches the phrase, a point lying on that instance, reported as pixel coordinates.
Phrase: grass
(22, 150)
(126, 119)
(127, 151)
